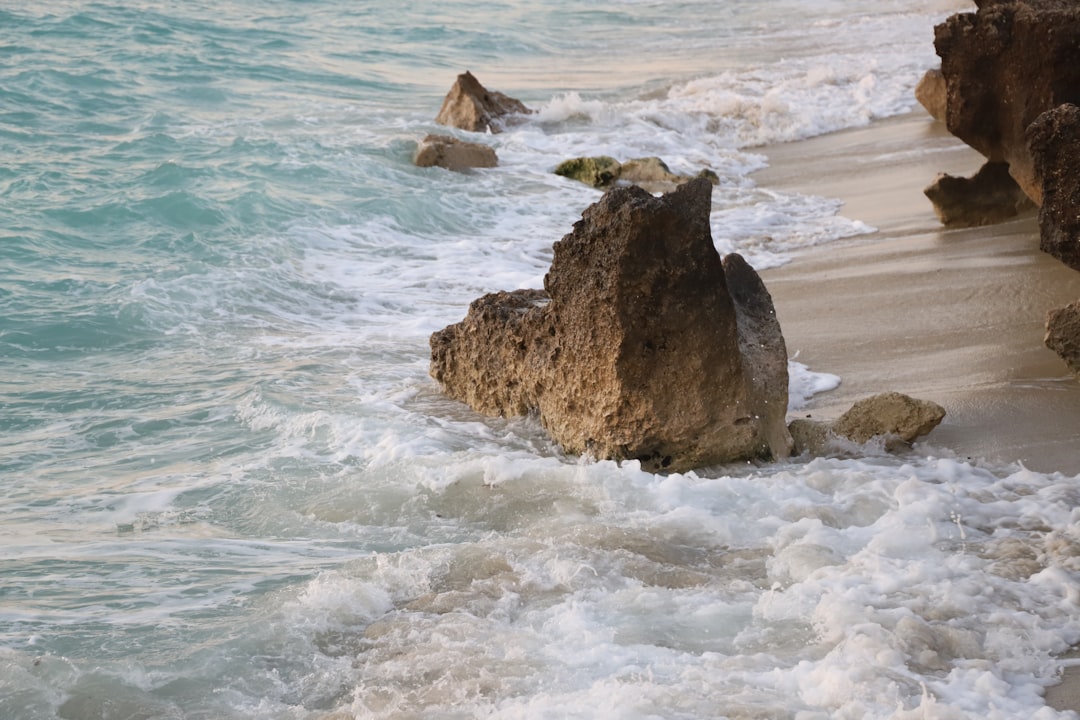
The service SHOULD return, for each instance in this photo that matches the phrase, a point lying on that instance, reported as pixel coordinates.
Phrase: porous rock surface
(931, 94)
(1063, 334)
(641, 345)
(453, 154)
(989, 196)
(1054, 139)
(898, 418)
(471, 106)
(1004, 65)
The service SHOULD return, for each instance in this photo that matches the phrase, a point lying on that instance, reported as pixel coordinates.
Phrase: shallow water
(230, 489)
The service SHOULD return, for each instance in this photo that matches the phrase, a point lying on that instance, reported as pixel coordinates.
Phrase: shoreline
(956, 316)
(951, 315)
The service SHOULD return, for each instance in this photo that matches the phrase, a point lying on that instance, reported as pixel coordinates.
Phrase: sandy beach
(954, 316)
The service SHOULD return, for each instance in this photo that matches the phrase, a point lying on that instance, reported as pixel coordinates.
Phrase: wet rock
(600, 171)
(635, 350)
(1004, 65)
(1063, 334)
(453, 154)
(650, 173)
(471, 106)
(808, 436)
(1054, 140)
(931, 94)
(889, 414)
(989, 196)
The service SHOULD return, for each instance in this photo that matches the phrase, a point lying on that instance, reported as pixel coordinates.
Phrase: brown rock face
(471, 106)
(453, 154)
(1054, 140)
(889, 414)
(989, 196)
(1063, 334)
(931, 94)
(637, 349)
(1004, 65)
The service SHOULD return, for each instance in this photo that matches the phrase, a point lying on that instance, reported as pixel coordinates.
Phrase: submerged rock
(453, 154)
(1004, 65)
(636, 349)
(1054, 139)
(471, 106)
(989, 196)
(1063, 334)
(600, 171)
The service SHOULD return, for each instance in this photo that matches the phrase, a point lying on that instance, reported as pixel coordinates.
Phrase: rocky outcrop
(895, 417)
(1054, 139)
(471, 106)
(650, 173)
(1004, 65)
(931, 94)
(1063, 334)
(641, 346)
(989, 196)
(453, 154)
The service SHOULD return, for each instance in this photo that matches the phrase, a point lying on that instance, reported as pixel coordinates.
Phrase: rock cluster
(650, 173)
(1012, 79)
(643, 345)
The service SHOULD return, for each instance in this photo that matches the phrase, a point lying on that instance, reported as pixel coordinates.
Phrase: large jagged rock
(637, 349)
(1063, 334)
(471, 106)
(453, 154)
(1004, 65)
(989, 196)
(897, 418)
(931, 94)
(1054, 139)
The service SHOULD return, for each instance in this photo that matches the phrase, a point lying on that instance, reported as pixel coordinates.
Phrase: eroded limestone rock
(890, 413)
(931, 94)
(599, 172)
(1063, 334)
(471, 106)
(650, 173)
(989, 196)
(453, 154)
(1054, 139)
(1004, 65)
(636, 349)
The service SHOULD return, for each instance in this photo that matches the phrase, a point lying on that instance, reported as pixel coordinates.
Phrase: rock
(931, 94)
(650, 173)
(453, 154)
(989, 196)
(764, 352)
(808, 436)
(888, 414)
(600, 171)
(1063, 334)
(1054, 140)
(471, 106)
(1004, 65)
(635, 349)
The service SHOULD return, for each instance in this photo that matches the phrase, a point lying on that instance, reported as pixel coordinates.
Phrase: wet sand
(954, 316)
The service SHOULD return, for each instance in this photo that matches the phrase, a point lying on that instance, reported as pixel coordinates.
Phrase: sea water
(229, 489)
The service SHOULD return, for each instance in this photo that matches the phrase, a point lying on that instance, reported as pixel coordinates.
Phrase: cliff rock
(636, 349)
(1004, 65)
(1054, 139)
(471, 106)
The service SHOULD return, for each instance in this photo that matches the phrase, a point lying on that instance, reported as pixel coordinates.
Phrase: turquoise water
(230, 490)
